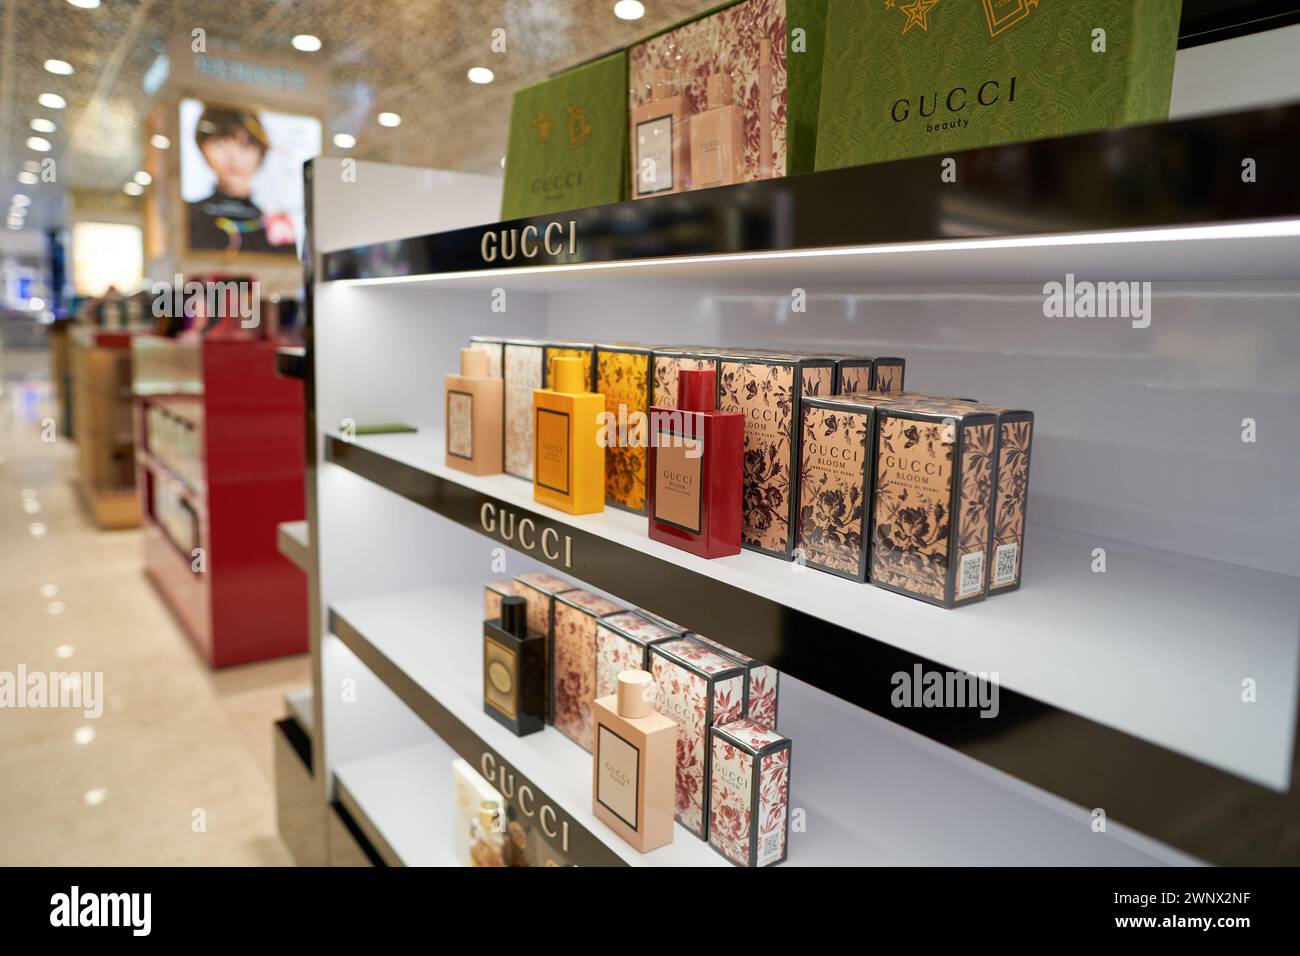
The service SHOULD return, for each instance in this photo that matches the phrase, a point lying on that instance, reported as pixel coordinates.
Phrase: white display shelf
(406, 798)
(293, 539)
(907, 816)
(1156, 647)
(435, 637)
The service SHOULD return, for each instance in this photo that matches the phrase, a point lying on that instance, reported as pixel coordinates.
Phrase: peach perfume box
(623, 377)
(749, 802)
(933, 501)
(768, 389)
(573, 662)
(524, 369)
(623, 642)
(698, 687)
(866, 373)
(762, 686)
(493, 592)
(667, 362)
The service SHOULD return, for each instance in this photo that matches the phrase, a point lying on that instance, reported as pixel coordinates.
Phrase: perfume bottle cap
(636, 694)
(514, 615)
(487, 813)
(566, 374)
(719, 90)
(697, 390)
(473, 363)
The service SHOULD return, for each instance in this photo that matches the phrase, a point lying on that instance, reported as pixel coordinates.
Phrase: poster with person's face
(241, 177)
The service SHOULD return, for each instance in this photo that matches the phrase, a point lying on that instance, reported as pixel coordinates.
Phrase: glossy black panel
(1166, 174)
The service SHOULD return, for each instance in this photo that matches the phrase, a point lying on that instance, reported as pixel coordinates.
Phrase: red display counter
(219, 458)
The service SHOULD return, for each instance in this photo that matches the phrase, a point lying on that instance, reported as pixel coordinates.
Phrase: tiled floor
(177, 770)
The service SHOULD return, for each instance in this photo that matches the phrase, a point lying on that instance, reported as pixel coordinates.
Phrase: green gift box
(916, 77)
(568, 141)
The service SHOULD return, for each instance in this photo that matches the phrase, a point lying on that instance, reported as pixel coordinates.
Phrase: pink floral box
(623, 643)
(573, 663)
(539, 589)
(763, 687)
(749, 790)
(698, 687)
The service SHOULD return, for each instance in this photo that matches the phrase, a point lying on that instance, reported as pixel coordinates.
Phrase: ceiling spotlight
(38, 143)
(14, 225)
(480, 74)
(21, 199)
(28, 178)
(85, 4)
(59, 67)
(159, 141)
(133, 189)
(389, 119)
(306, 43)
(344, 140)
(42, 125)
(52, 101)
(629, 9)
(143, 178)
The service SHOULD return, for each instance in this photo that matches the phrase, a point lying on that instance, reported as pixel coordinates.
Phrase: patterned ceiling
(404, 56)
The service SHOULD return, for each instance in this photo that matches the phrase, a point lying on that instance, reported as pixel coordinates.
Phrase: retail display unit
(1133, 702)
(219, 462)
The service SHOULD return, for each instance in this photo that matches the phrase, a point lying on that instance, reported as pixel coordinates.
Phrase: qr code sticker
(971, 579)
(770, 847)
(1004, 563)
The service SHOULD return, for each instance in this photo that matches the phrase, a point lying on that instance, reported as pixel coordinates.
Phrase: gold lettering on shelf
(501, 776)
(521, 531)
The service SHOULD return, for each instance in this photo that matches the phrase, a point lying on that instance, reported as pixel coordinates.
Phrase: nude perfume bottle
(660, 156)
(568, 457)
(474, 416)
(697, 470)
(514, 669)
(633, 779)
(717, 146)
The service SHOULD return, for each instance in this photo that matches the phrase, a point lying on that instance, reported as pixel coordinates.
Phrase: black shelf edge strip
(1206, 812)
(578, 844)
(291, 362)
(1181, 173)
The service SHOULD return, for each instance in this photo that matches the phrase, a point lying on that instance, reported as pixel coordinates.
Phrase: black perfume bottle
(514, 669)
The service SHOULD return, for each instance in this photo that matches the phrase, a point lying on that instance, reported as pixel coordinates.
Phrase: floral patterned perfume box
(582, 351)
(767, 389)
(523, 371)
(667, 362)
(868, 373)
(494, 348)
(623, 377)
(1014, 436)
(698, 687)
(539, 590)
(762, 689)
(933, 501)
(778, 92)
(623, 643)
(749, 806)
(573, 663)
(493, 592)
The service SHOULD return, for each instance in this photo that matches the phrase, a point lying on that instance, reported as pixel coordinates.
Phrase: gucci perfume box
(749, 788)
(913, 79)
(667, 362)
(539, 590)
(933, 499)
(866, 373)
(762, 686)
(494, 348)
(584, 352)
(767, 389)
(493, 592)
(623, 642)
(733, 90)
(567, 146)
(698, 686)
(573, 663)
(523, 370)
(623, 377)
